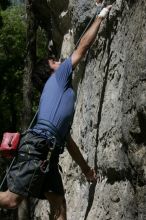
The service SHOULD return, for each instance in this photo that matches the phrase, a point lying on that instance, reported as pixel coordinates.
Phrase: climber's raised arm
(89, 37)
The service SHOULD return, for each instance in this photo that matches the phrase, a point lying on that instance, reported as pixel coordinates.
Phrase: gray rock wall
(110, 120)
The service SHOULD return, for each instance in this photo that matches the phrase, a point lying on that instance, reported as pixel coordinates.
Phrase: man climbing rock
(35, 171)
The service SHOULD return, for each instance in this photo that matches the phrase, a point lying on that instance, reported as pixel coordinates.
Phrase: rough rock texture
(110, 119)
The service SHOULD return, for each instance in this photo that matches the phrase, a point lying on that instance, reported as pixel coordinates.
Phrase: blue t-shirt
(58, 99)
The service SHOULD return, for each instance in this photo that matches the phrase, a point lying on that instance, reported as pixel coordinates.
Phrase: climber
(33, 174)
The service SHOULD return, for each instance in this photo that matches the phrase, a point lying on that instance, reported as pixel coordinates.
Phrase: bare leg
(10, 200)
(57, 206)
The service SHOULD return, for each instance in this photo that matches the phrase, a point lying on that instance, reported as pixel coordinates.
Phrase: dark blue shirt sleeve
(64, 73)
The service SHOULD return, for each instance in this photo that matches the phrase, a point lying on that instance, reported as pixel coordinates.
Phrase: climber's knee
(10, 200)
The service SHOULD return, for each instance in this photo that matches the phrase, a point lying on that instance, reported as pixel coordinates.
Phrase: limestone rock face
(110, 119)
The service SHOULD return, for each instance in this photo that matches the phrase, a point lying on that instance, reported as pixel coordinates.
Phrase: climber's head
(53, 64)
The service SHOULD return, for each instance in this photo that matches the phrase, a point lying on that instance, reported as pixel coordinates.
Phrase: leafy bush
(12, 34)
(12, 55)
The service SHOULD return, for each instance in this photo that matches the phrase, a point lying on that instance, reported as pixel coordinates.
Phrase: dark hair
(41, 73)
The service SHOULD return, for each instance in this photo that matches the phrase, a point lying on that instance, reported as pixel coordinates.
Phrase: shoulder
(66, 63)
(65, 66)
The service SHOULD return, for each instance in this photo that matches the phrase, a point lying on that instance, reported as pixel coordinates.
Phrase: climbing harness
(51, 133)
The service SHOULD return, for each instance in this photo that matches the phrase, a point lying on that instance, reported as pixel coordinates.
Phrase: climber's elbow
(78, 54)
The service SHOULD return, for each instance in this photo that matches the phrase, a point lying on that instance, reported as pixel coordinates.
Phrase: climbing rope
(100, 6)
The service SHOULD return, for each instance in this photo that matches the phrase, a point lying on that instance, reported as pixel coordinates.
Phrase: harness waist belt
(52, 129)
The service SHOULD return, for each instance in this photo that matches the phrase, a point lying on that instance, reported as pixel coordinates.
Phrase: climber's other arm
(78, 158)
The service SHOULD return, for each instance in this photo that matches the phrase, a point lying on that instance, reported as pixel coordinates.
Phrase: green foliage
(12, 34)
(41, 43)
(12, 57)
(12, 54)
